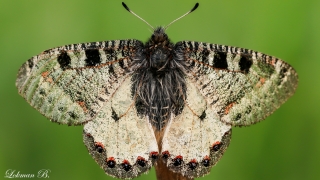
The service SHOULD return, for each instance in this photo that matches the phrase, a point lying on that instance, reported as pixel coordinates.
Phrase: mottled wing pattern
(195, 139)
(241, 86)
(71, 84)
(120, 141)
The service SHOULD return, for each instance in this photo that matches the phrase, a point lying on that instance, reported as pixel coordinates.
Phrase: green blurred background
(285, 146)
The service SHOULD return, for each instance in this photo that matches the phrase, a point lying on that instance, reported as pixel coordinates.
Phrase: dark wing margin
(242, 86)
(70, 84)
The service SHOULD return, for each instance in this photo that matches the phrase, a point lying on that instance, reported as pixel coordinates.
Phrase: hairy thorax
(158, 83)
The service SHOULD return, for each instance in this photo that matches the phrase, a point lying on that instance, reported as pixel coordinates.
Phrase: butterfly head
(159, 50)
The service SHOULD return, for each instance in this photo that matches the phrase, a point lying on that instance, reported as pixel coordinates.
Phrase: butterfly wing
(195, 139)
(91, 83)
(70, 84)
(225, 86)
(120, 141)
(242, 86)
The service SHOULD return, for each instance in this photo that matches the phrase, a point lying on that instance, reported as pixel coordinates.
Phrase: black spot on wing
(205, 54)
(220, 60)
(283, 72)
(121, 64)
(93, 57)
(114, 115)
(64, 60)
(30, 63)
(113, 43)
(245, 62)
(196, 45)
(111, 54)
(190, 45)
(111, 70)
(203, 115)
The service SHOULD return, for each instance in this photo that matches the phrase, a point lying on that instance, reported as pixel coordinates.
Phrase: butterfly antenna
(194, 8)
(125, 6)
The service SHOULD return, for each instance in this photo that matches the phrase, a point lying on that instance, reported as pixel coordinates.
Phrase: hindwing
(196, 139)
(120, 141)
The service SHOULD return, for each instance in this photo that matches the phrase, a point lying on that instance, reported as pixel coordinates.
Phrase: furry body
(159, 79)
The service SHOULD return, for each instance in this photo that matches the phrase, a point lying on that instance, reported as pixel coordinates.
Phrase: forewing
(240, 85)
(195, 139)
(70, 84)
(118, 139)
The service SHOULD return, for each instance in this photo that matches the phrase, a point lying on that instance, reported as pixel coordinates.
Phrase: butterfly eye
(216, 146)
(154, 155)
(99, 147)
(193, 164)
(177, 161)
(141, 161)
(206, 161)
(111, 163)
(165, 154)
(126, 165)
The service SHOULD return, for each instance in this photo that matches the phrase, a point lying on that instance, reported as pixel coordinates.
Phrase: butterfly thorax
(158, 51)
(158, 82)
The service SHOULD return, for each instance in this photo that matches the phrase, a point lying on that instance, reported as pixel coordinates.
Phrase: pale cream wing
(69, 84)
(195, 139)
(242, 86)
(120, 141)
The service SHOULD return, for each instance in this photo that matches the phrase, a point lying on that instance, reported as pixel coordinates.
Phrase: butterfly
(172, 105)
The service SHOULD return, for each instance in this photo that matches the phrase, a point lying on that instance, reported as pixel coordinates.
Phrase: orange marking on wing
(141, 158)
(154, 154)
(45, 74)
(99, 144)
(260, 82)
(82, 104)
(49, 80)
(193, 161)
(125, 162)
(226, 111)
(216, 143)
(178, 157)
(111, 159)
(206, 157)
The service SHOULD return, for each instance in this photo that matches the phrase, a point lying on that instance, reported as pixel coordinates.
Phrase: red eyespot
(216, 146)
(206, 161)
(177, 161)
(111, 163)
(99, 147)
(193, 164)
(154, 155)
(165, 154)
(126, 165)
(141, 161)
